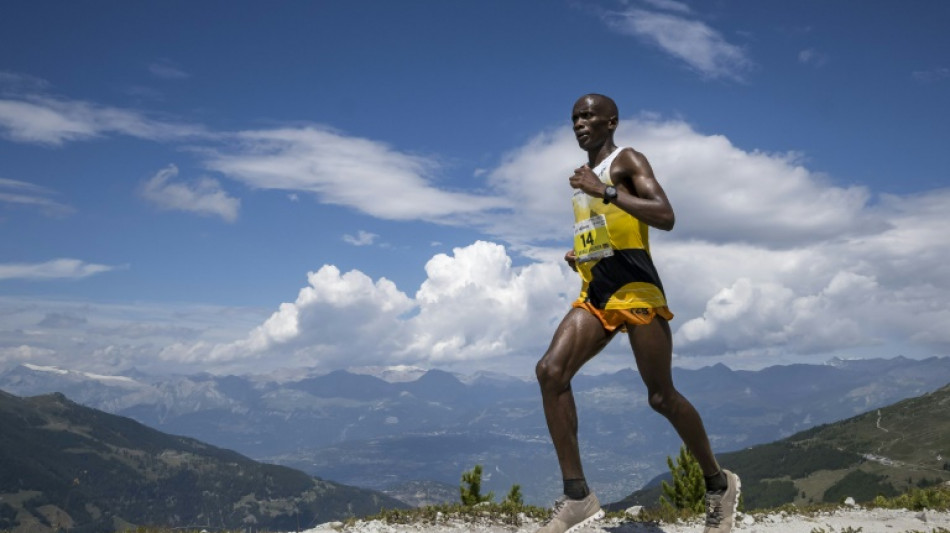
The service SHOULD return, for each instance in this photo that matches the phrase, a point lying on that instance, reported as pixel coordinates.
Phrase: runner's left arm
(638, 191)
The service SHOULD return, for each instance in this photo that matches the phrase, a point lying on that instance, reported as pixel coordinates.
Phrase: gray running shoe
(721, 506)
(570, 515)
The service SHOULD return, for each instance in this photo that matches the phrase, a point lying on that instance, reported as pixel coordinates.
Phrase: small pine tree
(471, 488)
(688, 490)
(514, 496)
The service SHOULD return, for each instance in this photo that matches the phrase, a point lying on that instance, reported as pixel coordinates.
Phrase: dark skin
(581, 336)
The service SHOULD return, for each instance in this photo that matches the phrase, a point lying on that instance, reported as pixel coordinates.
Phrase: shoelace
(558, 505)
(713, 509)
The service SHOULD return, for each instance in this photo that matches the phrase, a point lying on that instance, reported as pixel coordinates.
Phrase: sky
(245, 187)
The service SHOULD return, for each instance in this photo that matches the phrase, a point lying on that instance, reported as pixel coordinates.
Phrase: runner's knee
(664, 402)
(551, 376)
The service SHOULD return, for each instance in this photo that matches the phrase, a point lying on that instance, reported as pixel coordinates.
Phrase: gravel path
(839, 521)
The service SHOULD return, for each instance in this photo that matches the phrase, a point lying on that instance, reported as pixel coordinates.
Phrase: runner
(616, 199)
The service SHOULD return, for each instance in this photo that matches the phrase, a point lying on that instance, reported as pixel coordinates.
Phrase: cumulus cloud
(681, 35)
(720, 192)
(204, 197)
(768, 258)
(28, 195)
(347, 171)
(474, 307)
(55, 269)
(338, 317)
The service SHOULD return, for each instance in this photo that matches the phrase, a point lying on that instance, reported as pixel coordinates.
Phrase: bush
(934, 498)
(471, 487)
(688, 490)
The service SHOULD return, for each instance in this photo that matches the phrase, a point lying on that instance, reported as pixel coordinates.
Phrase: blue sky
(247, 187)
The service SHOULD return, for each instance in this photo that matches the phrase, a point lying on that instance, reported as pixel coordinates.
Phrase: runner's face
(592, 126)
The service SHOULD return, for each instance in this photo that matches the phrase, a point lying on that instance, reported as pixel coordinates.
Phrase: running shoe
(721, 506)
(570, 515)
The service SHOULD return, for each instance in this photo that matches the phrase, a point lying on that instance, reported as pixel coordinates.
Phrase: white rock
(748, 520)
(850, 501)
(635, 510)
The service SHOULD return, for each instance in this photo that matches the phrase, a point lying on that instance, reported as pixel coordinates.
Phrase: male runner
(616, 198)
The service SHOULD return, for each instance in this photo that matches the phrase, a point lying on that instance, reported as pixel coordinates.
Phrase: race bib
(590, 239)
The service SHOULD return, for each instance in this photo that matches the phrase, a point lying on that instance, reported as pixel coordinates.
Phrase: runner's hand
(585, 180)
(571, 260)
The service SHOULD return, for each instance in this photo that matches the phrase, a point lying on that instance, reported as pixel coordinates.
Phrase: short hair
(608, 102)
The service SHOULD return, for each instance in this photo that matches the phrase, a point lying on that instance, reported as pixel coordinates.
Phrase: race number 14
(591, 239)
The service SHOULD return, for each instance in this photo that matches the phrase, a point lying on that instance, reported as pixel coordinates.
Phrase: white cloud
(719, 191)
(768, 258)
(45, 120)
(20, 193)
(167, 69)
(347, 171)
(690, 40)
(768, 261)
(112, 338)
(812, 57)
(23, 353)
(362, 238)
(932, 75)
(669, 5)
(204, 197)
(882, 288)
(55, 269)
(342, 319)
(472, 308)
(13, 82)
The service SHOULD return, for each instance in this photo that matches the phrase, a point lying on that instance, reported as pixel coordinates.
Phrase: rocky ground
(844, 520)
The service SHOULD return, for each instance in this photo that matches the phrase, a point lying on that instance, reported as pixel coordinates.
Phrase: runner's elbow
(666, 223)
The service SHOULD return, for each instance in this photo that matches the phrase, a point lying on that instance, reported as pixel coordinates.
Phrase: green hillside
(882, 452)
(64, 466)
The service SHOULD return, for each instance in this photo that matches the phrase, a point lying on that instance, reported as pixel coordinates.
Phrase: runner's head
(594, 117)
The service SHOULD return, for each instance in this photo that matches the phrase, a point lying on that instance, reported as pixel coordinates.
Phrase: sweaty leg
(653, 348)
(578, 338)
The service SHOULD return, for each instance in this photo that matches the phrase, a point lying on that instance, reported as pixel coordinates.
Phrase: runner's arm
(638, 191)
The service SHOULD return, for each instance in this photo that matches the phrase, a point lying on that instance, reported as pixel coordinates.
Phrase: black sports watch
(610, 194)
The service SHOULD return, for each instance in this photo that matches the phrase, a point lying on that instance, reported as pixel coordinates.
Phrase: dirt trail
(839, 521)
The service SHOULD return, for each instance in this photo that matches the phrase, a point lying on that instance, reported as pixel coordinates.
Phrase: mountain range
(68, 467)
(361, 430)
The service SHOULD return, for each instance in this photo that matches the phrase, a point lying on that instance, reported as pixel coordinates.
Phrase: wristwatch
(610, 194)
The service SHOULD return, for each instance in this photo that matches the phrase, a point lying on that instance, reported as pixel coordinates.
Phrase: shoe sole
(587, 521)
(735, 505)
